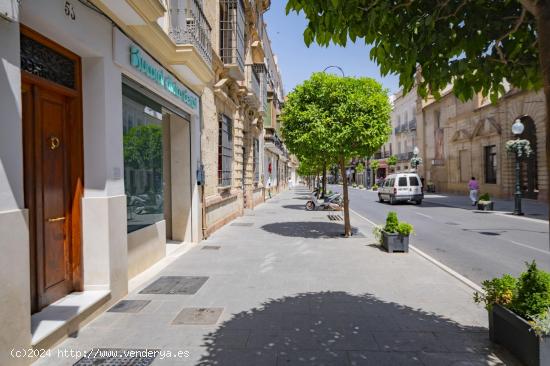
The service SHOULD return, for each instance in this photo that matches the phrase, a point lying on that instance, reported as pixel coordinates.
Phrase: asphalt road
(476, 244)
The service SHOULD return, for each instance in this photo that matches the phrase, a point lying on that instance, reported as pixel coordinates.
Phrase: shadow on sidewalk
(308, 229)
(337, 328)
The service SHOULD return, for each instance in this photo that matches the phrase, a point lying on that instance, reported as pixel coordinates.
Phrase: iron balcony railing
(405, 156)
(412, 124)
(188, 25)
(261, 71)
(232, 32)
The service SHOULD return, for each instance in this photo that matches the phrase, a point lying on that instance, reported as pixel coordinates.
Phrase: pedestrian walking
(290, 183)
(473, 186)
(269, 186)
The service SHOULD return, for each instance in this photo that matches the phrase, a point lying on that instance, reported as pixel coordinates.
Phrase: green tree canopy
(392, 160)
(475, 45)
(336, 118)
(143, 147)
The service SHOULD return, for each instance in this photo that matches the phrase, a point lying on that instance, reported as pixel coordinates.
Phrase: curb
(434, 261)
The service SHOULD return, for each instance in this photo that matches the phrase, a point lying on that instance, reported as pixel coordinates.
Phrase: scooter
(332, 202)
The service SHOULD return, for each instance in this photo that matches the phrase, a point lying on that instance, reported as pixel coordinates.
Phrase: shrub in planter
(361, 186)
(394, 236)
(519, 314)
(375, 187)
(484, 202)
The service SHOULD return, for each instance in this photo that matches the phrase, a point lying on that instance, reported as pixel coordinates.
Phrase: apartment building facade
(458, 140)
(129, 129)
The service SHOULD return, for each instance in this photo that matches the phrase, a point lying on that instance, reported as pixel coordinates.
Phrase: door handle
(56, 219)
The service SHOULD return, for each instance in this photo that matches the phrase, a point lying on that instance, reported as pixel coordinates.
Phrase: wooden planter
(394, 242)
(516, 335)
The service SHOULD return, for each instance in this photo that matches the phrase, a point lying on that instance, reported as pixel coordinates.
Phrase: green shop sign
(162, 78)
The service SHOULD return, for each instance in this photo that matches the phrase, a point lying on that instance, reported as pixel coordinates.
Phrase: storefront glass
(143, 159)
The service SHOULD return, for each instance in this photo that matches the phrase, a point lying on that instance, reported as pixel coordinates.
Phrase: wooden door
(52, 141)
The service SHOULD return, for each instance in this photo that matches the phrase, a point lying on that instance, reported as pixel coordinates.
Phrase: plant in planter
(484, 203)
(360, 186)
(519, 314)
(394, 236)
(375, 187)
(430, 187)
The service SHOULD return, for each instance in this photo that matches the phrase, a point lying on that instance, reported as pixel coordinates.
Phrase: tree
(477, 46)
(336, 118)
(392, 161)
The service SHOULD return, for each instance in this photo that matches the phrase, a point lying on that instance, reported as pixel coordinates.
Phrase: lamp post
(416, 151)
(517, 130)
(338, 67)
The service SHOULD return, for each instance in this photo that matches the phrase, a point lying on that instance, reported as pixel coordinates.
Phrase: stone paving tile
(312, 358)
(194, 316)
(129, 306)
(377, 358)
(408, 342)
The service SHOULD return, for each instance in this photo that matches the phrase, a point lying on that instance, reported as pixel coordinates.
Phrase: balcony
(405, 156)
(273, 143)
(255, 82)
(412, 124)
(188, 25)
(232, 46)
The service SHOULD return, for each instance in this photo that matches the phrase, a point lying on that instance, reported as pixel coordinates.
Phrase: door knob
(56, 219)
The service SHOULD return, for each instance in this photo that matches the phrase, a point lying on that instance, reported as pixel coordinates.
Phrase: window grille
(232, 32)
(256, 160)
(225, 150)
(491, 164)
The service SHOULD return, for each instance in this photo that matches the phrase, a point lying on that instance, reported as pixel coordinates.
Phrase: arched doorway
(529, 176)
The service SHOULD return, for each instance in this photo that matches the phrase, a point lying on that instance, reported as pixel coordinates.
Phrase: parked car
(401, 187)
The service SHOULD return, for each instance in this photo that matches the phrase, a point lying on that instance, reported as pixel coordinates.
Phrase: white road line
(421, 214)
(529, 247)
(434, 261)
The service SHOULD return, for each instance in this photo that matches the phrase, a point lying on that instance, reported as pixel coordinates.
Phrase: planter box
(395, 242)
(515, 334)
(485, 206)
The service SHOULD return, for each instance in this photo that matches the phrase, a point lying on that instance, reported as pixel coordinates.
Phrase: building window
(232, 32)
(491, 164)
(256, 160)
(225, 150)
(143, 157)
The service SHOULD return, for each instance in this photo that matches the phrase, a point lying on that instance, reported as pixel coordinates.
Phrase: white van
(401, 187)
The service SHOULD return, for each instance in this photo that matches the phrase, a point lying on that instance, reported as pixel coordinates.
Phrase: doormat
(210, 247)
(175, 285)
(118, 357)
(129, 306)
(198, 316)
(242, 224)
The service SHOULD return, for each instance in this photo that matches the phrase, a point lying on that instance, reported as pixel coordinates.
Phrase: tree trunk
(324, 179)
(543, 29)
(347, 224)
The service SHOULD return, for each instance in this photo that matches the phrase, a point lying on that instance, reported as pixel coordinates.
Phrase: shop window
(143, 159)
(225, 150)
(491, 164)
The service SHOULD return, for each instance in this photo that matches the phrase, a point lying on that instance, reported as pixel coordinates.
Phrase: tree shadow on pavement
(295, 207)
(308, 229)
(337, 328)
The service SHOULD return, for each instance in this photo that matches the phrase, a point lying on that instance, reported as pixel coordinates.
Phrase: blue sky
(297, 62)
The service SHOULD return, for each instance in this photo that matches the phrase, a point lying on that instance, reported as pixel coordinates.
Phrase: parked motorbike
(333, 202)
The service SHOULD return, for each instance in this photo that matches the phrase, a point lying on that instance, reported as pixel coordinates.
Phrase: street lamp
(338, 67)
(517, 130)
(415, 162)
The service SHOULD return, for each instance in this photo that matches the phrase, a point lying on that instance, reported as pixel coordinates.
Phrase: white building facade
(99, 154)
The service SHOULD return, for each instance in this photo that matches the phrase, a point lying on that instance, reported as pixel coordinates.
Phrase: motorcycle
(332, 202)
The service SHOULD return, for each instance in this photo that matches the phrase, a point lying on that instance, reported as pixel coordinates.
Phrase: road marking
(434, 261)
(529, 247)
(421, 214)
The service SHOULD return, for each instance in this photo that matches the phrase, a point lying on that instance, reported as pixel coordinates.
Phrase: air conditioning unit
(9, 10)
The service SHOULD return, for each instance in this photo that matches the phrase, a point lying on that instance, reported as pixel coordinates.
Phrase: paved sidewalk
(281, 287)
(531, 208)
